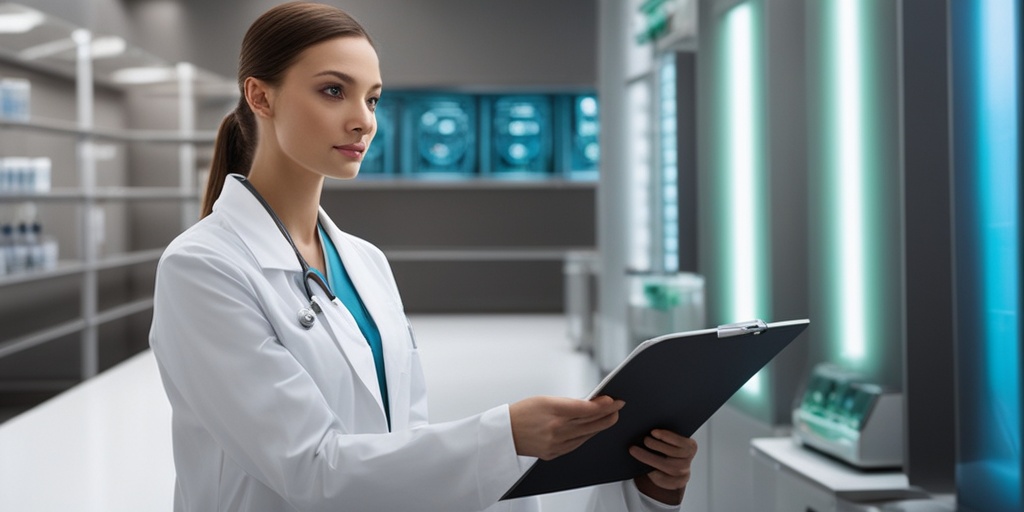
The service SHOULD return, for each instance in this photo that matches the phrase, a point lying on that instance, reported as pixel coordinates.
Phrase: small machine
(845, 416)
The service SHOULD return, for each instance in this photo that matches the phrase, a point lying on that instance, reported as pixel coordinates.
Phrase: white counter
(788, 476)
(103, 446)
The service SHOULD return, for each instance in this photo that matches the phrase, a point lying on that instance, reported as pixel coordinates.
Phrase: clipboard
(705, 368)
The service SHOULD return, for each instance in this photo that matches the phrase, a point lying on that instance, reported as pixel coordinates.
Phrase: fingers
(547, 427)
(671, 444)
(584, 411)
(586, 422)
(669, 455)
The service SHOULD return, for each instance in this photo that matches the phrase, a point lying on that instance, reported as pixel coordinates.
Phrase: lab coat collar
(255, 226)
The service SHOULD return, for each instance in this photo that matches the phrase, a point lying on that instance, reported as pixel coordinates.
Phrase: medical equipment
(307, 316)
(851, 419)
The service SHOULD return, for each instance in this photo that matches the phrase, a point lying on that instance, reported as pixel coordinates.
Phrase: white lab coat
(268, 416)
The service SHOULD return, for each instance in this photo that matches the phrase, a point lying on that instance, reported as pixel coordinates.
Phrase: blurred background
(578, 176)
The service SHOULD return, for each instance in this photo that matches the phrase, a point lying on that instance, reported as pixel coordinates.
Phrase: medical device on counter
(854, 420)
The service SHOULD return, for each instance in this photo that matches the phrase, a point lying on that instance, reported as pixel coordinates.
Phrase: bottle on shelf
(8, 246)
(49, 250)
(3, 256)
(41, 169)
(15, 96)
(23, 248)
(22, 175)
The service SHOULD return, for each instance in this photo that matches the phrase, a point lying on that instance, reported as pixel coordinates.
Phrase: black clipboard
(706, 366)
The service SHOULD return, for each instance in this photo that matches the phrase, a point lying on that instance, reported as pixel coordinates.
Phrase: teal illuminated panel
(848, 175)
(669, 151)
(986, 40)
(857, 190)
(855, 194)
(745, 246)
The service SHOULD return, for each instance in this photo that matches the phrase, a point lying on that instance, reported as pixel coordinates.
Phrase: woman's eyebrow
(344, 78)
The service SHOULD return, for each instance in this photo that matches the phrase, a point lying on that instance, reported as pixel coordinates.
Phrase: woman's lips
(354, 151)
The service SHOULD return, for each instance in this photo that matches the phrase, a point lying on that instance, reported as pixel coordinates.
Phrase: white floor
(105, 445)
(473, 363)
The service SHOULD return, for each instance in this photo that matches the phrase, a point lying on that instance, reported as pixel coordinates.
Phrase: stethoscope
(307, 315)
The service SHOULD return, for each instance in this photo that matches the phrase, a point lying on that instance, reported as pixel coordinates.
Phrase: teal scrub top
(341, 284)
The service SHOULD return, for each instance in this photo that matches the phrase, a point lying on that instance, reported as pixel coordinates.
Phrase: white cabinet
(789, 477)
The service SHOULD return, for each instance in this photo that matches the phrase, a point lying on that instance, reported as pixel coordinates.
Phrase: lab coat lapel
(385, 310)
(255, 226)
(350, 340)
(260, 233)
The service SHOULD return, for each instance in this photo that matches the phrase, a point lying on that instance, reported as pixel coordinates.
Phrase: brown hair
(270, 46)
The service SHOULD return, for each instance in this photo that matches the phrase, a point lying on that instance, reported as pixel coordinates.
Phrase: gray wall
(459, 217)
(444, 43)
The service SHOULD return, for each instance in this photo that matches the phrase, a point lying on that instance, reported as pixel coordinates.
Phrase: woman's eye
(372, 102)
(333, 90)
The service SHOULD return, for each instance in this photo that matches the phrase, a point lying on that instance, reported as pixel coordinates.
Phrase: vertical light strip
(849, 171)
(741, 186)
(998, 163)
(742, 191)
(640, 159)
(669, 165)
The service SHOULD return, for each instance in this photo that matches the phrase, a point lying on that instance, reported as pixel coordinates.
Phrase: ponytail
(232, 152)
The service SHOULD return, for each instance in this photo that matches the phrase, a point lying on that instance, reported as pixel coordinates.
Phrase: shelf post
(187, 148)
(87, 177)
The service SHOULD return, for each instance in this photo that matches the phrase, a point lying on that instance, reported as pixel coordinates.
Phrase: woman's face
(323, 110)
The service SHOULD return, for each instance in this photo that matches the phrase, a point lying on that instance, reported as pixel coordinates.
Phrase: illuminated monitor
(380, 157)
(586, 151)
(439, 134)
(521, 135)
(577, 134)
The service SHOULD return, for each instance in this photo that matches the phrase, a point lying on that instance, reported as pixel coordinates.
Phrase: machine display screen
(522, 136)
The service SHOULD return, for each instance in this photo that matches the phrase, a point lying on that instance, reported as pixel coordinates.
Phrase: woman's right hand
(546, 427)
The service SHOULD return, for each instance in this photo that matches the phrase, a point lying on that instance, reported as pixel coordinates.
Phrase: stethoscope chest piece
(307, 318)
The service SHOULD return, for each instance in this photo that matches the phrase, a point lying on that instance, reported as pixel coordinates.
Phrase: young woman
(282, 342)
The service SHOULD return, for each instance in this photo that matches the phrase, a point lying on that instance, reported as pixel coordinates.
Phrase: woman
(286, 397)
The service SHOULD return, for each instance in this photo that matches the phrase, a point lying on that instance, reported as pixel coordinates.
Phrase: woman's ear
(258, 95)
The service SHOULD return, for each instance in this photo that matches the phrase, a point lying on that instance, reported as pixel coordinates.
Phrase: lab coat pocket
(410, 401)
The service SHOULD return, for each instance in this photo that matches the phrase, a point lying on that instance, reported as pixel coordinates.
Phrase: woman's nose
(362, 119)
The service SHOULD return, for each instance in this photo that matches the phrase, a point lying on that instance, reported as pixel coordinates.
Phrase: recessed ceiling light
(143, 75)
(108, 46)
(20, 22)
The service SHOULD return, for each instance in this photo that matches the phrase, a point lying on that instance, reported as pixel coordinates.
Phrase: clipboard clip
(754, 327)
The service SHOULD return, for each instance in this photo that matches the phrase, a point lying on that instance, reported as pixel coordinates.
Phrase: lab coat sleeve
(619, 496)
(225, 371)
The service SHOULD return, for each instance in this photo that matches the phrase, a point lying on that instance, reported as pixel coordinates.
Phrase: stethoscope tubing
(307, 316)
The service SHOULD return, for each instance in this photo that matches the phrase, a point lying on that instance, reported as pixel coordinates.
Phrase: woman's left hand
(670, 455)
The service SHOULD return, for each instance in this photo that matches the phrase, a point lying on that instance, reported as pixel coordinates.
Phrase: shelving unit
(72, 57)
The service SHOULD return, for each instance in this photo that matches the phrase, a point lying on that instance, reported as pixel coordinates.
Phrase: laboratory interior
(553, 183)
